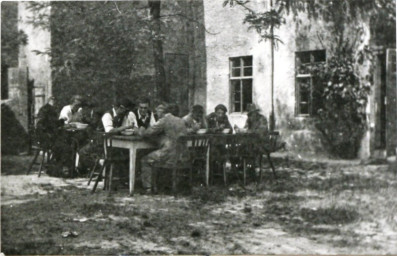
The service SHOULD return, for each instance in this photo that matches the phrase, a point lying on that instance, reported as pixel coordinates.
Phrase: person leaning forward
(73, 112)
(114, 120)
(169, 128)
(195, 119)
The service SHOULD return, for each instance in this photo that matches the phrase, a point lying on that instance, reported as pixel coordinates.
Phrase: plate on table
(226, 131)
(77, 125)
(202, 131)
(128, 132)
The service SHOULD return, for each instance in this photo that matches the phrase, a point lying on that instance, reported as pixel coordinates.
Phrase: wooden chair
(98, 154)
(108, 164)
(198, 150)
(270, 144)
(39, 147)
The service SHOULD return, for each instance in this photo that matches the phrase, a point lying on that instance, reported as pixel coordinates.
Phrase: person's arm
(152, 119)
(263, 127)
(157, 128)
(204, 124)
(131, 120)
(107, 122)
(65, 114)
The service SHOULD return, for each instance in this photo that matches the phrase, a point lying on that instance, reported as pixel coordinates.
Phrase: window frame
(301, 76)
(240, 78)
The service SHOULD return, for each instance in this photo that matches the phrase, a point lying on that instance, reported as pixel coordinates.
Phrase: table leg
(132, 170)
(207, 166)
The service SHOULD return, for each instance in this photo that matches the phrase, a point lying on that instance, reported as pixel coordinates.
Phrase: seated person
(169, 128)
(50, 136)
(218, 120)
(115, 120)
(47, 123)
(195, 119)
(256, 122)
(92, 116)
(142, 116)
(72, 112)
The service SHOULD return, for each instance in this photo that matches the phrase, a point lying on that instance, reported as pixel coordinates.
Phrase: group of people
(164, 126)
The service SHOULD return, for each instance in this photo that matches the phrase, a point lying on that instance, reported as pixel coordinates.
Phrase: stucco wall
(231, 38)
(38, 65)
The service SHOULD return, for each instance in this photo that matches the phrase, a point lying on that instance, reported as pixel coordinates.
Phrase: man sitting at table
(195, 119)
(169, 128)
(218, 120)
(114, 121)
(72, 112)
(142, 117)
(256, 122)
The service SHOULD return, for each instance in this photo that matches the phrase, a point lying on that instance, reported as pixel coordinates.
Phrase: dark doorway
(4, 82)
(380, 92)
(177, 78)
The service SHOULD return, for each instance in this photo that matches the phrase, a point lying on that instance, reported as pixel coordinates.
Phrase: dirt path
(322, 211)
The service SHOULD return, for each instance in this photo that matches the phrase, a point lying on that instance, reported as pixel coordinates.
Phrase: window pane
(247, 71)
(236, 95)
(235, 62)
(247, 61)
(247, 93)
(319, 56)
(236, 72)
(304, 57)
(304, 108)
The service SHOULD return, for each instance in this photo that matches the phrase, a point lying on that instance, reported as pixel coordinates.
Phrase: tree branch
(190, 19)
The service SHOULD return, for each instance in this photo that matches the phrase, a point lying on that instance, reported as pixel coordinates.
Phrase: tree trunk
(161, 88)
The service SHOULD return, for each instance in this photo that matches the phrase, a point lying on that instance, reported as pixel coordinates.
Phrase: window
(307, 100)
(241, 83)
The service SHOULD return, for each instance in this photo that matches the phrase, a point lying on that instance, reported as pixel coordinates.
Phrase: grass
(326, 204)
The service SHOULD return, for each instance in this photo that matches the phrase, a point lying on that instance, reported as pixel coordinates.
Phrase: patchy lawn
(309, 208)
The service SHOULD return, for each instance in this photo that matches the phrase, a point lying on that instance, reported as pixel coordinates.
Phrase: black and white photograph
(198, 127)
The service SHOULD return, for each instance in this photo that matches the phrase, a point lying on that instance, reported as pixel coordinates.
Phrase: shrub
(341, 117)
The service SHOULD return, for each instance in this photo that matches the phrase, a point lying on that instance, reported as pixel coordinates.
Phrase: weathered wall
(231, 38)
(38, 65)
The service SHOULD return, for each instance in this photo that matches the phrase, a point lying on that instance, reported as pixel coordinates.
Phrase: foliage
(11, 38)
(341, 117)
(340, 84)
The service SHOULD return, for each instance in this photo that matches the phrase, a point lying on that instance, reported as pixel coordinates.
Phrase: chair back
(270, 142)
(102, 143)
(197, 146)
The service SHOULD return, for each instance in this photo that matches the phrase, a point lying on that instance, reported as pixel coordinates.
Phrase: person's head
(253, 111)
(52, 101)
(143, 106)
(77, 100)
(173, 109)
(122, 106)
(220, 110)
(161, 110)
(197, 112)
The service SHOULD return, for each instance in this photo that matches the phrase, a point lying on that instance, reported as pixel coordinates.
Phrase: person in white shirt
(116, 120)
(142, 116)
(72, 112)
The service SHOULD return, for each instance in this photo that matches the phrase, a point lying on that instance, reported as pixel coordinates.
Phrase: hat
(252, 108)
(221, 106)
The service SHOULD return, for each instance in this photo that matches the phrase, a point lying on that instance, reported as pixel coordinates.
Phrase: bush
(341, 117)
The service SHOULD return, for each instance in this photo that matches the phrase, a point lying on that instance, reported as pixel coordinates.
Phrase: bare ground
(312, 207)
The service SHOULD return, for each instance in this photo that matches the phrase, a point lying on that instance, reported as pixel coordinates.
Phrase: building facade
(239, 72)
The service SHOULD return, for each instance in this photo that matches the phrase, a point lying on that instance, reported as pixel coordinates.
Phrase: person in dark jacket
(218, 120)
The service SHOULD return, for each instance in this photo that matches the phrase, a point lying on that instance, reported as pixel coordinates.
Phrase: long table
(132, 143)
